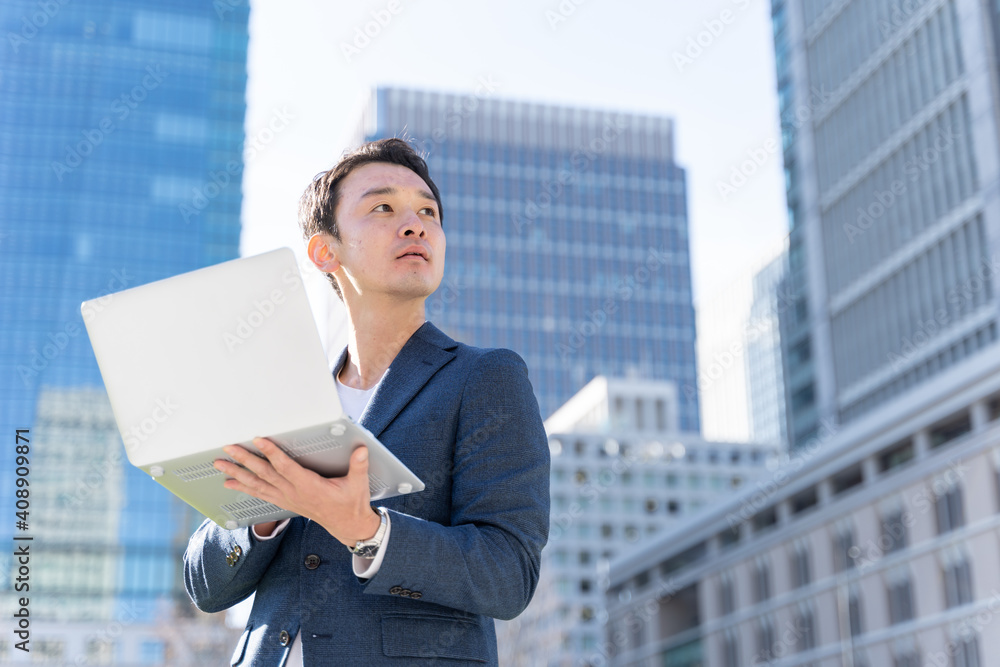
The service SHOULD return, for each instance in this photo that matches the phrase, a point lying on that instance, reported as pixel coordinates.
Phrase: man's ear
(321, 252)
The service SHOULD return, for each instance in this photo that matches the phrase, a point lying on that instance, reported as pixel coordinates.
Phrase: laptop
(219, 356)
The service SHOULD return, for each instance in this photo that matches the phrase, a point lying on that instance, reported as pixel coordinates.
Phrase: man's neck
(375, 337)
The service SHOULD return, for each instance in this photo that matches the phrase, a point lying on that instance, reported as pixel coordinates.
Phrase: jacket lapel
(427, 350)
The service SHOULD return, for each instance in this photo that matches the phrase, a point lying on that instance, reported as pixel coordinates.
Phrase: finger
(281, 462)
(357, 473)
(243, 480)
(247, 459)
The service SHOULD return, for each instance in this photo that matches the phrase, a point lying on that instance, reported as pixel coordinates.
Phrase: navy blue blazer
(462, 552)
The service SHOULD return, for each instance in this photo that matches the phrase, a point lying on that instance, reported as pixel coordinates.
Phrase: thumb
(359, 464)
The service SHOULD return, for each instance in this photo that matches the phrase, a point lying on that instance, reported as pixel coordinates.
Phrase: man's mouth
(414, 252)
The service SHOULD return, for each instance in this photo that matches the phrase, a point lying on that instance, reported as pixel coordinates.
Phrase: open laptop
(219, 356)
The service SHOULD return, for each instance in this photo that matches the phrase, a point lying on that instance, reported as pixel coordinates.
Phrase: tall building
(567, 235)
(622, 473)
(876, 544)
(740, 386)
(889, 117)
(121, 141)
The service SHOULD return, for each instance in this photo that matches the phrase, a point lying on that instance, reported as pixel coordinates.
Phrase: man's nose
(412, 226)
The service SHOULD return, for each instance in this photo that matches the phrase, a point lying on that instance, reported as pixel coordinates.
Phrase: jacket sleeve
(223, 567)
(487, 561)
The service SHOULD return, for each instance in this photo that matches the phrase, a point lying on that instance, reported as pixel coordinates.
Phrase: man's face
(391, 239)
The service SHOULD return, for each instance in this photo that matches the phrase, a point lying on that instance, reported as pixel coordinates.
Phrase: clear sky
(707, 64)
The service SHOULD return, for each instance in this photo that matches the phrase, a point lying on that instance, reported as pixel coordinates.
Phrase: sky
(709, 65)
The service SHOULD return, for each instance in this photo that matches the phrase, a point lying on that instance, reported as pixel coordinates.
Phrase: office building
(876, 544)
(120, 163)
(567, 235)
(889, 117)
(622, 473)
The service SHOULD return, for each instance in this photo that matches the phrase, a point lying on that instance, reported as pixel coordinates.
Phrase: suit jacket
(462, 552)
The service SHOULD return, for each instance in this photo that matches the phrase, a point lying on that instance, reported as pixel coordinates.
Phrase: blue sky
(708, 64)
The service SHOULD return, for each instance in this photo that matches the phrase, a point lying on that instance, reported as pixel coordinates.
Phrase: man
(419, 580)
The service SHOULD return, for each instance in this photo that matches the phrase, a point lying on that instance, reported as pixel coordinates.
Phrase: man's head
(381, 190)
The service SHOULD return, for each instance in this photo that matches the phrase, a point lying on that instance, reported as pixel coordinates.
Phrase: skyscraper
(889, 116)
(121, 140)
(567, 235)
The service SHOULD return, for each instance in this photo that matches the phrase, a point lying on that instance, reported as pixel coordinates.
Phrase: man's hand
(341, 505)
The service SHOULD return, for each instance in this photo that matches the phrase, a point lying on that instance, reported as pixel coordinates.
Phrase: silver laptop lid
(201, 358)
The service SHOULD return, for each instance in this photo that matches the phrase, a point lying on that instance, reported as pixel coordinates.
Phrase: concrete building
(875, 545)
(622, 473)
(567, 235)
(889, 118)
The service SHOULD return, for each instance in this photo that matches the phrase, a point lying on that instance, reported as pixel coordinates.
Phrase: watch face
(366, 551)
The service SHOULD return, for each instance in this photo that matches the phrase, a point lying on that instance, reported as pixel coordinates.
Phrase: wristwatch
(368, 548)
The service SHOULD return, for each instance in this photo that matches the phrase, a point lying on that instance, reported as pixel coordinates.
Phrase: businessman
(419, 579)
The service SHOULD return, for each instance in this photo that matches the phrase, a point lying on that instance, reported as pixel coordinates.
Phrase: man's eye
(430, 211)
(386, 210)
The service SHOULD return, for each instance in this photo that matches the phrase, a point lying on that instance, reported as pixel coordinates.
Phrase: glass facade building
(121, 141)
(889, 117)
(567, 235)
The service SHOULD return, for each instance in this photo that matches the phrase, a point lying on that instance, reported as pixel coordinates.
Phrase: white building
(876, 544)
(621, 473)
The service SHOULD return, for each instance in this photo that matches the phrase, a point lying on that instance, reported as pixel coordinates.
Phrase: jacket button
(283, 638)
(238, 550)
(395, 590)
(230, 561)
(312, 561)
(416, 595)
(405, 592)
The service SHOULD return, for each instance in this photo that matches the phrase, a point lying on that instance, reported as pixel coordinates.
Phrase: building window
(854, 612)
(800, 567)
(900, 601)
(907, 659)
(762, 582)
(950, 512)
(966, 652)
(765, 641)
(842, 545)
(807, 633)
(894, 532)
(730, 650)
(958, 583)
(727, 601)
